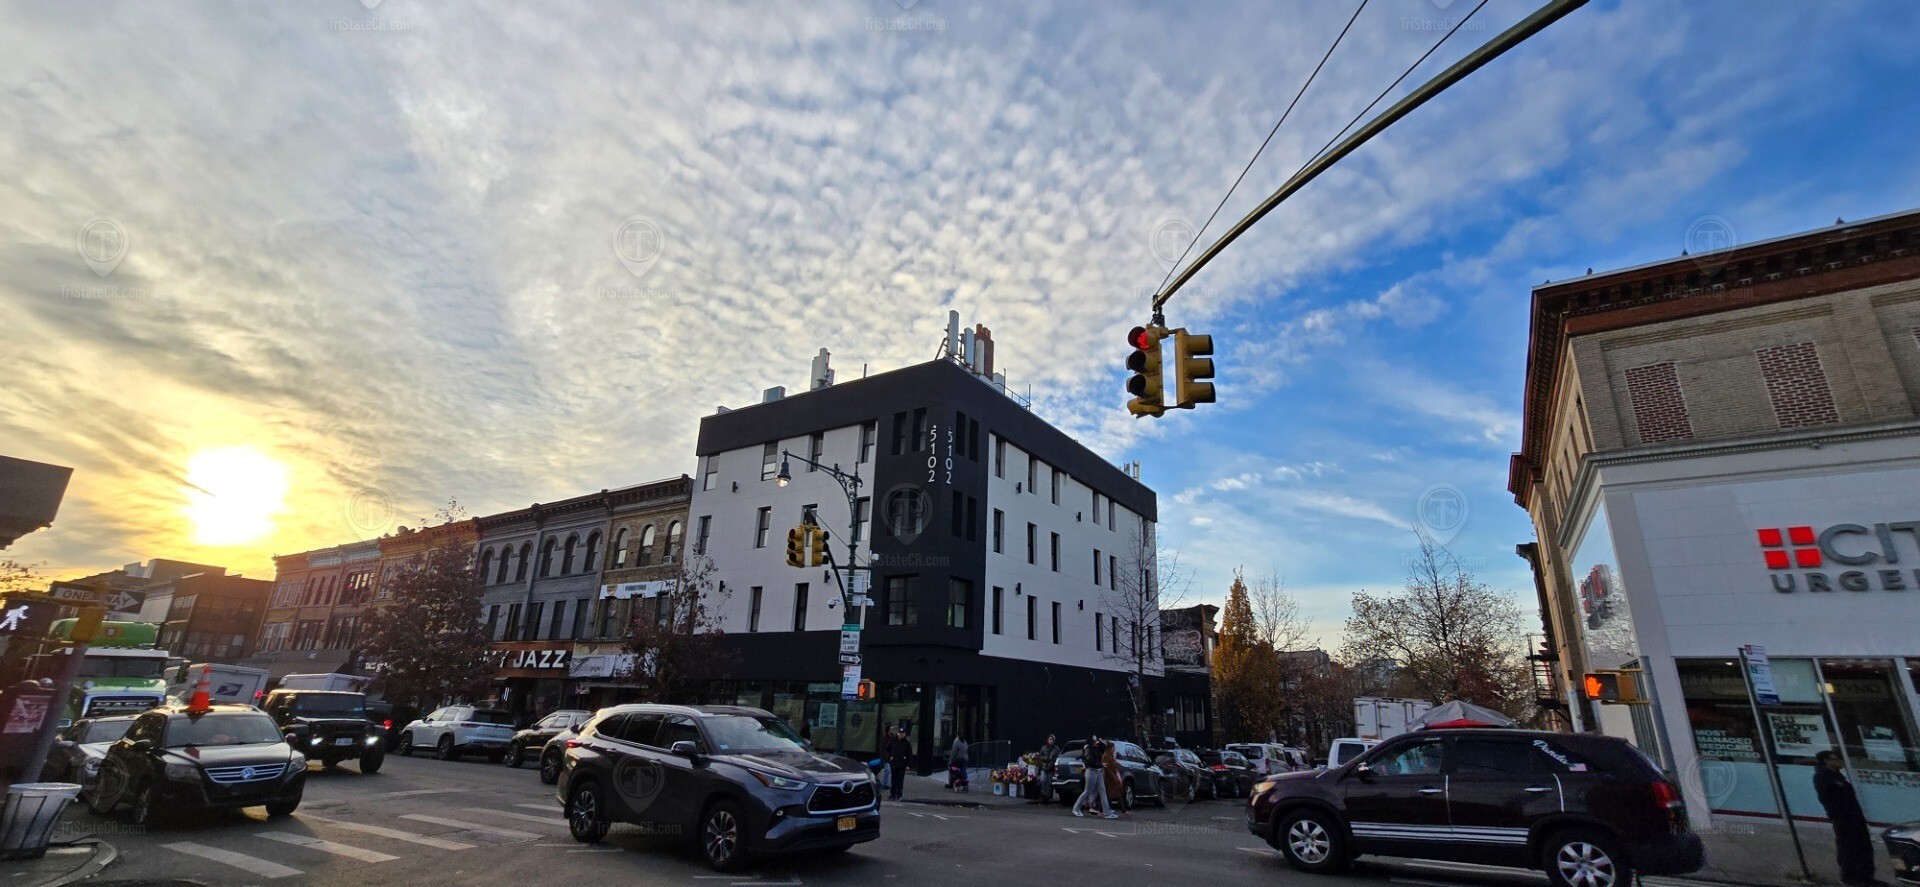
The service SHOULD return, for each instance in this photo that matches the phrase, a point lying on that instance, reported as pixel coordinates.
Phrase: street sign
(77, 593)
(1760, 672)
(850, 645)
(852, 659)
(850, 682)
(858, 587)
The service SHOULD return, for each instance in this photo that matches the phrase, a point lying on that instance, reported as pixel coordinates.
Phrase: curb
(104, 854)
(970, 805)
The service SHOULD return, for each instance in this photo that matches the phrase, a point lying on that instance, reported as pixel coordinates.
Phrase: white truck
(226, 683)
(1380, 717)
(335, 681)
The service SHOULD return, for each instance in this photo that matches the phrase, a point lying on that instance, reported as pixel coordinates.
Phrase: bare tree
(1448, 635)
(17, 576)
(675, 636)
(1276, 614)
(431, 643)
(1145, 581)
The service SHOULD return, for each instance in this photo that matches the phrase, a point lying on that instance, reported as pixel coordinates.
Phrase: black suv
(1139, 778)
(174, 758)
(737, 780)
(1587, 809)
(531, 740)
(329, 726)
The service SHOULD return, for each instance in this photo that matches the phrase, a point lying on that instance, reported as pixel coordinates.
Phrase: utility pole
(1508, 39)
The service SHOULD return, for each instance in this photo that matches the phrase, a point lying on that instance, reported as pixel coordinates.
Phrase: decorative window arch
(620, 548)
(526, 556)
(593, 551)
(674, 531)
(645, 555)
(546, 557)
(486, 564)
(506, 554)
(566, 559)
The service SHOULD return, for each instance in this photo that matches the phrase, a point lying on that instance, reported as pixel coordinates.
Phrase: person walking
(1047, 755)
(898, 752)
(1093, 755)
(957, 765)
(1116, 785)
(1852, 842)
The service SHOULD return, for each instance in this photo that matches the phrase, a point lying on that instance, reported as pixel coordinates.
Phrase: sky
(281, 276)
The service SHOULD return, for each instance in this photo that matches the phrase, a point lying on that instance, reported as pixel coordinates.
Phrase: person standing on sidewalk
(957, 765)
(898, 752)
(1852, 842)
(1047, 755)
(1093, 756)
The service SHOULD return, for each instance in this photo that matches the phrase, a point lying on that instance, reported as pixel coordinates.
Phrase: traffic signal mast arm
(1508, 39)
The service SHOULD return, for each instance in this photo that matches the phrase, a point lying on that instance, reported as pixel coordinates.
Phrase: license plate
(844, 823)
(344, 740)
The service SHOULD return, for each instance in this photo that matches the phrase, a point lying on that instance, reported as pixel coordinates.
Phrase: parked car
(737, 779)
(329, 726)
(79, 749)
(1297, 758)
(1182, 773)
(1140, 779)
(1903, 845)
(1343, 751)
(1229, 774)
(174, 758)
(1589, 810)
(1266, 758)
(535, 736)
(457, 730)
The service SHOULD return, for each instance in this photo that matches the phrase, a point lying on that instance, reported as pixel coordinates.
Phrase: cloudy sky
(267, 268)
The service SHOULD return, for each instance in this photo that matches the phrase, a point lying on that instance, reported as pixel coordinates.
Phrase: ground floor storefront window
(1862, 708)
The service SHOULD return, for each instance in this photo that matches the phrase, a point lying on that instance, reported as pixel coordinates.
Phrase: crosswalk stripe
(312, 843)
(241, 861)
(471, 826)
(553, 817)
(548, 807)
(394, 833)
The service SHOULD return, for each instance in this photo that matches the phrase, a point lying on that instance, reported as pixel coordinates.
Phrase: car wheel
(444, 750)
(107, 790)
(586, 815)
(723, 835)
(549, 769)
(1127, 798)
(1312, 842)
(144, 812)
(283, 809)
(513, 756)
(405, 748)
(371, 760)
(1581, 858)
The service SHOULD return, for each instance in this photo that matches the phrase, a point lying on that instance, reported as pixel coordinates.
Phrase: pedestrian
(898, 752)
(1852, 843)
(1047, 755)
(1093, 756)
(957, 765)
(1116, 785)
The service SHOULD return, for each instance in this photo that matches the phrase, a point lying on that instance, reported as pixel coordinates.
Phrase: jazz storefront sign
(1803, 558)
(549, 659)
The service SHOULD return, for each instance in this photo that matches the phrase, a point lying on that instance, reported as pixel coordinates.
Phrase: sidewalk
(1761, 853)
(932, 789)
(63, 864)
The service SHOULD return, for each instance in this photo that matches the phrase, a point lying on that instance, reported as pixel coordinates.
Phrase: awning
(600, 665)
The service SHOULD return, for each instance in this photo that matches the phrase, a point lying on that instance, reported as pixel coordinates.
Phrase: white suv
(1265, 758)
(460, 729)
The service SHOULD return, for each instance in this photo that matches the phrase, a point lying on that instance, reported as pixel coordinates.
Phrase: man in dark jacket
(1850, 836)
(898, 752)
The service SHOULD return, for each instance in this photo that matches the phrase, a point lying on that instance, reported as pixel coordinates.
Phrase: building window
(1033, 475)
(810, 514)
(999, 603)
(816, 449)
(486, 564)
(566, 557)
(711, 476)
(608, 615)
(1113, 573)
(1099, 644)
(588, 562)
(899, 433)
(753, 609)
(1113, 634)
(999, 531)
(580, 617)
(999, 457)
(1096, 507)
(907, 511)
(921, 438)
(620, 549)
(673, 542)
(1109, 514)
(546, 557)
(1033, 618)
(1055, 551)
(520, 566)
(1056, 622)
(763, 523)
(644, 557)
(959, 601)
(1096, 566)
(1053, 480)
(1032, 545)
(862, 515)
(770, 460)
(700, 534)
(868, 432)
(800, 606)
(559, 620)
(513, 623)
(532, 626)
(901, 607)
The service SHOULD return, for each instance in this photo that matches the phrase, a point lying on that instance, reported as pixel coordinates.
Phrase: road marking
(553, 816)
(547, 807)
(407, 794)
(312, 843)
(1263, 851)
(1093, 830)
(241, 861)
(940, 816)
(394, 833)
(471, 826)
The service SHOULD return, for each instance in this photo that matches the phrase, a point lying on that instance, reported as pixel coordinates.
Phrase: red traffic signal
(1140, 338)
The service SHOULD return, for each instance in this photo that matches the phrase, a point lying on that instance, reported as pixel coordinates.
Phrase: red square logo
(1806, 557)
(1800, 535)
(1770, 538)
(1777, 560)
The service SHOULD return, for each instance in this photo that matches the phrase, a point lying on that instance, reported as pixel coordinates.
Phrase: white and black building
(1000, 552)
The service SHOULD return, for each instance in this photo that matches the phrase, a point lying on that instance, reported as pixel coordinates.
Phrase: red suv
(1589, 810)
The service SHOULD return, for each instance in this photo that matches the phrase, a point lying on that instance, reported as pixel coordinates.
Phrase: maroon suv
(1589, 810)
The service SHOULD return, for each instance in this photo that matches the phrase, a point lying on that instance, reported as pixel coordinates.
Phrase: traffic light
(1620, 687)
(1146, 386)
(1194, 364)
(87, 624)
(816, 546)
(797, 546)
(864, 692)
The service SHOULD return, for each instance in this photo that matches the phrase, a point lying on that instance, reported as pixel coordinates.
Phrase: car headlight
(373, 740)
(779, 782)
(1265, 785)
(314, 741)
(297, 762)
(183, 772)
(1905, 832)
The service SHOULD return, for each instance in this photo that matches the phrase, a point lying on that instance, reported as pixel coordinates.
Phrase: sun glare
(233, 494)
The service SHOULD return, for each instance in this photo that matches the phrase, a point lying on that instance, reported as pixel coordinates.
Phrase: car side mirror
(1364, 771)
(143, 745)
(688, 749)
(575, 728)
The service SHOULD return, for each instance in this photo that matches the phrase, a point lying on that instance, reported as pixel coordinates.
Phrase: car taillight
(1665, 795)
(388, 723)
(1219, 767)
(573, 743)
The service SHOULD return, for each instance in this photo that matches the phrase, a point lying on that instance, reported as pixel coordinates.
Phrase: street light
(850, 484)
(786, 473)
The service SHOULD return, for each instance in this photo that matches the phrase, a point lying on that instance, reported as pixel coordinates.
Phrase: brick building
(315, 619)
(649, 541)
(1723, 450)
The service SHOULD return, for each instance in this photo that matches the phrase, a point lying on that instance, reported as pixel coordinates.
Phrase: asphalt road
(464, 824)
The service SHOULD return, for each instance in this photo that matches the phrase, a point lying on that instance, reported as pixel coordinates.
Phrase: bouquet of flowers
(1018, 774)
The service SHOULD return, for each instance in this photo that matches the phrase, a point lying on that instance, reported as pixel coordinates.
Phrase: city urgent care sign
(1843, 557)
(531, 659)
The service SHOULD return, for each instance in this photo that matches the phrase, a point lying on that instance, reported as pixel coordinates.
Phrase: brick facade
(1796, 385)
(1659, 410)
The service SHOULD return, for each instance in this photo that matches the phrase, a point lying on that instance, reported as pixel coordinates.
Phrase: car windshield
(744, 734)
(1250, 751)
(238, 728)
(491, 716)
(104, 731)
(122, 667)
(328, 705)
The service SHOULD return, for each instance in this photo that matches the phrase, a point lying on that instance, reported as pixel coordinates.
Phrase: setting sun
(233, 494)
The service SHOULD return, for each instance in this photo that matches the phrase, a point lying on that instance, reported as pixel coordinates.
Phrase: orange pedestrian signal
(1620, 686)
(864, 691)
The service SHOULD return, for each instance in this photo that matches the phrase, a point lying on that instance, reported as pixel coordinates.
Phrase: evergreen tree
(1246, 672)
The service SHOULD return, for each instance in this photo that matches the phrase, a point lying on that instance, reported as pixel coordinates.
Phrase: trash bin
(27, 822)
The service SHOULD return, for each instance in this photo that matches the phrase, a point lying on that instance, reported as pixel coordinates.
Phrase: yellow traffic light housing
(1618, 687)
(797, 547)
(816, 546)
(1193, 355)
(1146, 385)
